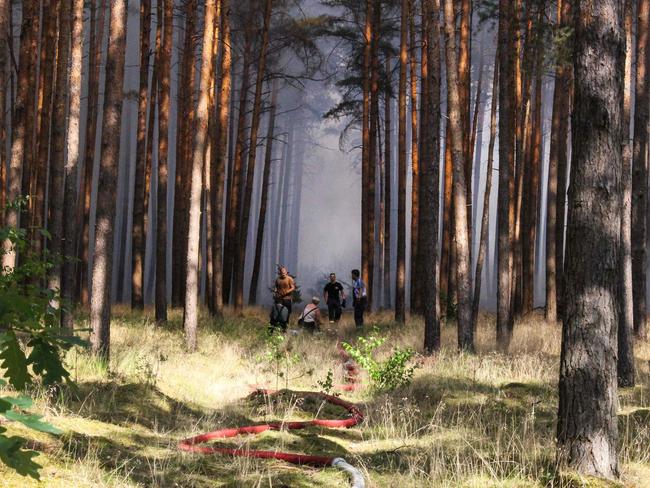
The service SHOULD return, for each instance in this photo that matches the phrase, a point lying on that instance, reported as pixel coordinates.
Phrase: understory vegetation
(463, 420)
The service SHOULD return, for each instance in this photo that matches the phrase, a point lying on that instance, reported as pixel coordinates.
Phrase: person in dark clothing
(279, 318)
(359, 296)
(334, 296)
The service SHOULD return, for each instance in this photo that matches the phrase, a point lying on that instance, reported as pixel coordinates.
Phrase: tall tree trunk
(625, 360)
(640, 169)
(388, 184)
(587, 422)
(40, 168)
(465, 328)
(100, 301)
(430, 178)
(185, 125)
(95, 49)
(559, 99)
(164, 93)
(31, 120)
(138, 240)
(373, 151)
(56, 196)
(506, 160)
(415, 161)
(240, 255)
(400, 276)
(485, 219)
(200, 130)
(72, 162)
(20, 129)
(266, 182)
(366, 141)
(5, 81)
(625, 364)
(218, 164)
(566, 87)
(233, 211)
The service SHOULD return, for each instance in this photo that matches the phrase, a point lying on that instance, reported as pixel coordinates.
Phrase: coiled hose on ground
(194, 444)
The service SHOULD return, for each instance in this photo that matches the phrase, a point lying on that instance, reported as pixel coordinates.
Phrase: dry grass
(483, 420)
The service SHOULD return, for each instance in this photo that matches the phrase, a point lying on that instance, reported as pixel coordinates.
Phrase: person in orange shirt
(284, 288)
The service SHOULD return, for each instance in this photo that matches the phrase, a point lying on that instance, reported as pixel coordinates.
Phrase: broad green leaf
(12, 359)
(12, 454)
(32, 421)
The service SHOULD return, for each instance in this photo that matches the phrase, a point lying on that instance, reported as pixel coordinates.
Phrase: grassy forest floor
(486, 420)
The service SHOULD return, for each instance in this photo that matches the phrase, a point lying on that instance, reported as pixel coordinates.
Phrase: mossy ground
(483, 420)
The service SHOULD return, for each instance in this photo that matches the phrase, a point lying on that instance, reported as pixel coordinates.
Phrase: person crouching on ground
(284, 288)
(310, 318)
(360, 297)
(334, 295)
(279, 318)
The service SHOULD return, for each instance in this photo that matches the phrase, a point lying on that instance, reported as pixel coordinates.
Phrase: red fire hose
(193, 444)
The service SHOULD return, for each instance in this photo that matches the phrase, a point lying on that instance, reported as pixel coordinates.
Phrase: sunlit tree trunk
(415, 161)
(464, 79)
(200, 131)
(625, 364)
(266, 182)
(100, 301)
(506, 159)
(20, 129)
(163, 154)
(240, 255)
(430, 177)
(640, 169)
(38, 183)
(218, 163)
(587, 432)
(138, 240)
(56, 196)
(400, 275)
(235, 181)
(95, 49)
(183, 174)
(72, 162)
(465, 328)
(373, 151)
(485, 219)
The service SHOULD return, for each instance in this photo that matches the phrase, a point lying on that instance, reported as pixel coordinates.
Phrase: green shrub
(389, 374)
(31, 344)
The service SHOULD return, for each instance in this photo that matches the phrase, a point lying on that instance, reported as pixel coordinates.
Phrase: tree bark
(184, 127)
(506, 161)
(217, 173)
(5, 81)
(625, 364)
(415, 161)
(164, 93)
(210, 34)
(266, 182)
(400, 276)
(587, 422)
(465, 328)
(138, 239)
(100, 301)
(388, 184)
(20, 129)
(485, 219)
(240, 254)
(58, 144)
(72, 162)
(95, 50)
(430, 180)
(38, 183)
(640, 169)
(366, 162)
